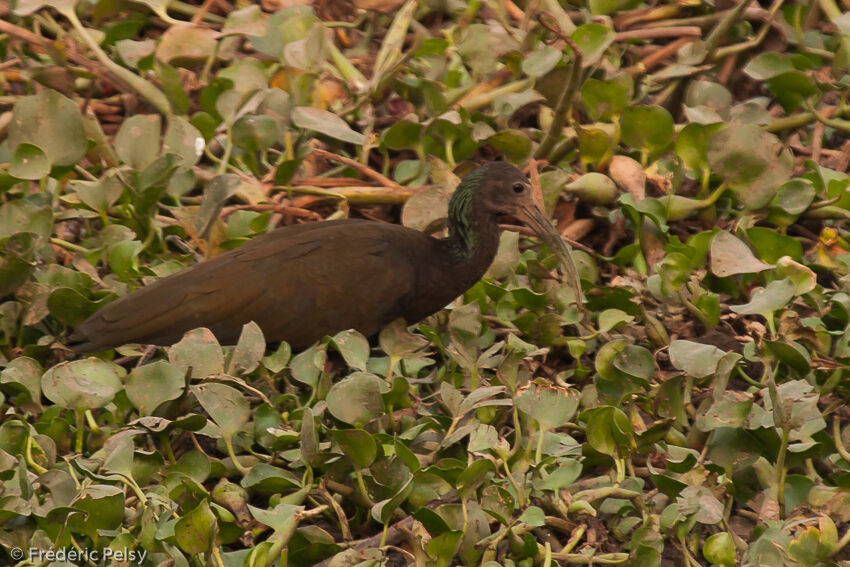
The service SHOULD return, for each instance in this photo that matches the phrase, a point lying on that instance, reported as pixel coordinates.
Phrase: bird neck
(473, 233)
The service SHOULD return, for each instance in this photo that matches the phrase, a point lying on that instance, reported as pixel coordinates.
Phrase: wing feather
(298, 283)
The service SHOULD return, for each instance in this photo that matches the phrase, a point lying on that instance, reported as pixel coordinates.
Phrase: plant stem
(155, 96)
(78, 444)
(361, 485)
(563, 107)
(228, 443)
(538, 456)
(68, 245)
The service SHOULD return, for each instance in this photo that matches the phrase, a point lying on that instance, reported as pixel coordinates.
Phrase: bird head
(502, 189)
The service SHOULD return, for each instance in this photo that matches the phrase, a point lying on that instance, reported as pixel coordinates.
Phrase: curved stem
(563, 107)
(155, 96)
(228, 443)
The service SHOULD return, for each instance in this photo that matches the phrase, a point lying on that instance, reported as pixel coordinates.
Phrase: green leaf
(200, 351)
(356, 399)
(309, 438)
(138, 139)
(186, 44)
(730, 256)
(264, 478)
(24, 372)
(307, 365)
(767, 65)
(254, 133)
(443, 547)
(605, 99)
(172, 87)
(647, 128)
(592, 40)
(100, 194)
(771, 245)
(216, 192)
(29, 162)
(397, 341)
(24, 216)
(326, 123)
(124, 259)
(403, 135)
(382, 511)
(533, 516)
(18, 261)
(183, 139)
(353, 347)
(195, 531)
(562, 477)
(357, 445)
(595, 146)
(70, 306)
(52, 122)
(249, 350)
(541, 61)
(754, 162)
(608, 430)
(692, 144)
(803, 277)
(551, 406)
(150, 385)
(701, 502)
(730, 410)
(612, 318)
(766, 300)
(514, 144)
(695, 359)
(594, 188)
(101, 508)
(636, 362)
(227, 407)
(792, 88)
(278, 360)
(81, 384)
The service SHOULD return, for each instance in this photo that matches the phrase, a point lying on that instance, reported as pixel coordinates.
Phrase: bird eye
(519, 187)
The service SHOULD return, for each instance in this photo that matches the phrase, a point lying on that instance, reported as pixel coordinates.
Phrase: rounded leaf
(138, 139)
(150, 385)
(551, 406)
(227, 407)
(647, 128)
(51, 121)
(754, 162)
(609, 430)
(730, 256)
(200, 351)
(82, 384)
(356, 399)
(592, 40)
(195, 531)
(29, 162)
(695, 359)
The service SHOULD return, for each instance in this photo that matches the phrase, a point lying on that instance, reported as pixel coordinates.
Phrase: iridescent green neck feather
(462, 234)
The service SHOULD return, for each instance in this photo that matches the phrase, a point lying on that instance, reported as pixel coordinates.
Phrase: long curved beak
(535, 218)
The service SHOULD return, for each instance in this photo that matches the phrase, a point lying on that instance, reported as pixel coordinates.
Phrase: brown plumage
(299, 283)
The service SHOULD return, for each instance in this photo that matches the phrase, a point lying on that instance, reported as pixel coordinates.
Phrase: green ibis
(302, 282)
